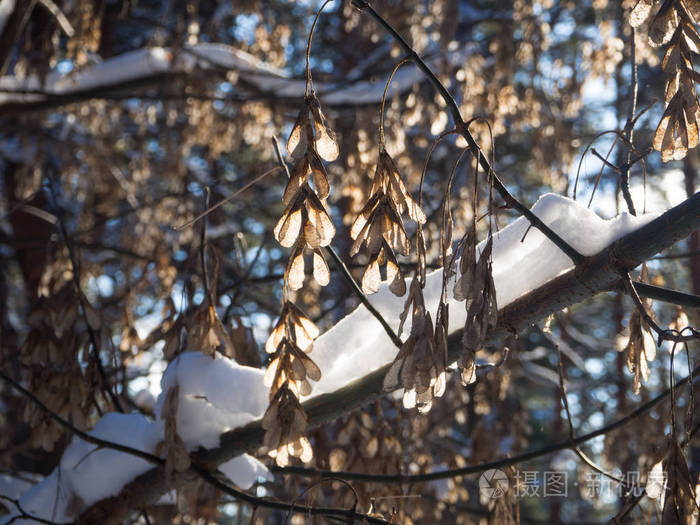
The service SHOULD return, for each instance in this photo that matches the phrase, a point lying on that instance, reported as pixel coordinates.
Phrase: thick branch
(667, 295)
(256, 81)
(597, 274)
(501, 463)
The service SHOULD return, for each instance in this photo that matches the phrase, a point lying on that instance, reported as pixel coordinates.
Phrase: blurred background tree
(96, 171)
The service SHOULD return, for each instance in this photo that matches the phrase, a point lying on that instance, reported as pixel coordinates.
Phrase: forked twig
(663, 334)
(341, 265)
(463, 129)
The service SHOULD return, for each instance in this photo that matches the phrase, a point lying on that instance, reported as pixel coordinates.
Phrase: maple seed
(302, 136)
(419, 367)
(674, 25)
(641, 346)
(380, 228)
(284, 423)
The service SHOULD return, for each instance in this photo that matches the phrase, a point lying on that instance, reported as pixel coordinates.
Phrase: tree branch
(667, 295)
(211, 478)
(505, 462)
(599, 273)
(463, 129)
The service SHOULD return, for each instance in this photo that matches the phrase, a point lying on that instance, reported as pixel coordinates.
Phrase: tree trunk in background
(690, 170)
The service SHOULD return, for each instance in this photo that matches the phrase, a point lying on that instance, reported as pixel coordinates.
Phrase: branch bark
(595, 274)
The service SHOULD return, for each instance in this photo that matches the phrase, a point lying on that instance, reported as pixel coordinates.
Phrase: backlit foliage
(104, 280)
(673, 24)
(305, 225)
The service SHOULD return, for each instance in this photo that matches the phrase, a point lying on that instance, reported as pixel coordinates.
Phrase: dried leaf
(393, 274)
(640, 12)
(294, 274)
(326, 144)
(664, 24)
(289, 225)
(321, 271)
(319, 218)
(297, 143)
(656, 481)
(320, 176)
(371, 279)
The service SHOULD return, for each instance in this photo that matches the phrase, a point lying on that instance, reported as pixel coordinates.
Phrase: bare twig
(667, 295)
(203, 253)
(663, 334)
(75, 267)
(628, 131)
(343, 269)
(572, 437)
(463, 128)
(315, 485)
(63, 22)
(224, 201)
(23, 514)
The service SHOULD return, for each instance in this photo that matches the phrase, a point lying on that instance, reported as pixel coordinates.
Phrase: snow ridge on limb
(152, 62)
(628, 241)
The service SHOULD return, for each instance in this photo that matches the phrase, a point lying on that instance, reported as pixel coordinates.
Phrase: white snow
(244, 470)
(13, 487)
(147, 62)
(6, 8)
(217, 394)
(518, 267)
(213, 399)
(87, 475)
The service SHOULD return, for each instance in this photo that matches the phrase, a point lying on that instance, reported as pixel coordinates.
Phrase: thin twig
(683, 255)
(667, 295)
(663, 334)
(629, 130)
(23, 514)
(344, 269)
(462, 127)
(203, 252)
(52, 8)
(75, 268)
(505, 462)
(316, 484)
(224, 201)
(572, 436)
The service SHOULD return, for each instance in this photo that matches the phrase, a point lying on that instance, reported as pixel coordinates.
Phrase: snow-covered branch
(151, 68)
(220, 402)
(354, 377)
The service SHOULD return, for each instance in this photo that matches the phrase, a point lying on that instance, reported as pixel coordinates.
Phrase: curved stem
(461, 126)
(386, 90)
(308, 48)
